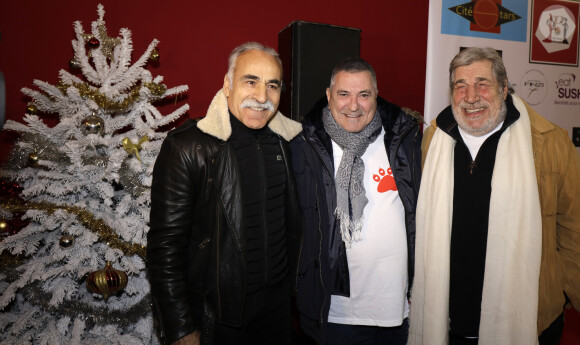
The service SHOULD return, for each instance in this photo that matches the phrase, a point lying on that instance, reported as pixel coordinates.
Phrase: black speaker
(309, 52)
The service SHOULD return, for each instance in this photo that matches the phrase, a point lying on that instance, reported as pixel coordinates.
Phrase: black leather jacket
(194, 247)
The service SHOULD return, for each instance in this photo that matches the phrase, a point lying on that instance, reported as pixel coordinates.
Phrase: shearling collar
(217, 121)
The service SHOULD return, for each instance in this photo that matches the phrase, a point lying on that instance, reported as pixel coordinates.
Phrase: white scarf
(509, 306)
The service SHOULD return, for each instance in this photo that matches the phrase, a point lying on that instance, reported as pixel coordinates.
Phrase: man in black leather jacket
(353, 278)
(224, 233)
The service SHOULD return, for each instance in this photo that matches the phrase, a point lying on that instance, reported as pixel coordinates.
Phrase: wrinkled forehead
(353, 81)
(479, 70)
(258, 63)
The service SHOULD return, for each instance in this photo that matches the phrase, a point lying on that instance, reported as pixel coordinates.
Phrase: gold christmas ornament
(74, 64)
(3, 225)
(107, 281)
(33, 159)
(32, 109)
(66, 241)
(132, 148)
(87, 37)
(154, 56)
(93, 125)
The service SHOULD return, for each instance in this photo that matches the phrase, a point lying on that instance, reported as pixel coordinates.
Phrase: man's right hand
(190, 339)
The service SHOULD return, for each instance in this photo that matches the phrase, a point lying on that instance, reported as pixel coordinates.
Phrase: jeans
(339, 334)
(266, 320)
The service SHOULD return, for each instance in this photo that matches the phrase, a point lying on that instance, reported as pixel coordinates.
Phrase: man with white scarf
(498, 217)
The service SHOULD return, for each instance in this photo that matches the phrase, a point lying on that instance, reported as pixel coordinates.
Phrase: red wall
(197, 36)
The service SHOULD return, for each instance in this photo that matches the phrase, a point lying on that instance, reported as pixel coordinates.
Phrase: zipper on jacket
(299, 261)
(319, 257)
(320, 156)
(413, 180)
(472, 165)
(413, 167)
(397, 144)
(263, 190)
(219, 299)
(204, 243)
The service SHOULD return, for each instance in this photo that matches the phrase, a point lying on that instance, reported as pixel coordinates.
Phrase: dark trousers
(550, 336)
(266, 320)
(339, 334)
(553, 334)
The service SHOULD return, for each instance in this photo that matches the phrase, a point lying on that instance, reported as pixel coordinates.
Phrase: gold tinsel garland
(111, 105)
(106, 233)
(10, 260)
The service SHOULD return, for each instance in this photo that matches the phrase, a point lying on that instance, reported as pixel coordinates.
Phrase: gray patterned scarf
(350, 192)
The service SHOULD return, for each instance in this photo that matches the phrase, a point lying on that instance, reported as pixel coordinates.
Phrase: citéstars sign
(485, 18)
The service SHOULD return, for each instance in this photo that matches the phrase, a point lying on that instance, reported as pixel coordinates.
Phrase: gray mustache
(252, 103)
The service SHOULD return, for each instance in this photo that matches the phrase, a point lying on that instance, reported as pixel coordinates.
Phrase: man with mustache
(357, 167)
(498, 217)
(224, 231)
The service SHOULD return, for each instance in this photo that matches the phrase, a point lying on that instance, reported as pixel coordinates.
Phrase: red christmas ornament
(17, 223)
(9, 189)
(94, 42)
(107, 281)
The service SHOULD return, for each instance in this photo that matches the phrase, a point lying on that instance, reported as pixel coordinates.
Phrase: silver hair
(239, 50)
(474, 54)
(354, 65)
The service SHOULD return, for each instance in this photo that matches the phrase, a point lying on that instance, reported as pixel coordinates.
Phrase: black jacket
(194, 246)
(323, 268)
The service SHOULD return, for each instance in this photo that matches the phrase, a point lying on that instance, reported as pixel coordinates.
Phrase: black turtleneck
(263, 181)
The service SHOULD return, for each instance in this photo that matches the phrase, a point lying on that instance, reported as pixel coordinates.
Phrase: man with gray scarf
(357, 167)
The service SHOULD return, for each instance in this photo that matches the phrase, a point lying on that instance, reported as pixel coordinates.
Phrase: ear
(505, 91)
(328, 94)
(226, 86)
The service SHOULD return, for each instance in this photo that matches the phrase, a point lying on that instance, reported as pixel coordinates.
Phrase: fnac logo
(485, 15)
(566, 86)
(533, 87)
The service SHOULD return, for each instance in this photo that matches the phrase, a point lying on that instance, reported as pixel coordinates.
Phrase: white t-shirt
(473, 143)
(378, 263)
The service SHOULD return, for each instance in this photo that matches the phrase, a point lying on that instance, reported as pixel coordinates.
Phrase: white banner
(538, 41)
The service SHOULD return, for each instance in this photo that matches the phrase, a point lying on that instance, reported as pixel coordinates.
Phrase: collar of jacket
(217, 121)
(539, 124)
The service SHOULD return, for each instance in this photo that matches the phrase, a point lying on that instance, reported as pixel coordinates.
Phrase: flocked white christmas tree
(76, 197)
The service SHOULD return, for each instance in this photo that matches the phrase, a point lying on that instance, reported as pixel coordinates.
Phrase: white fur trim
(217, 121)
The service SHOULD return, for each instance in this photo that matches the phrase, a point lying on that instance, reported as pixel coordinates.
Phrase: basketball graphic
(485, 13)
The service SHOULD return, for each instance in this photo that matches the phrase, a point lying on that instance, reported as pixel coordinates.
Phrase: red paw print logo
(386, 182)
